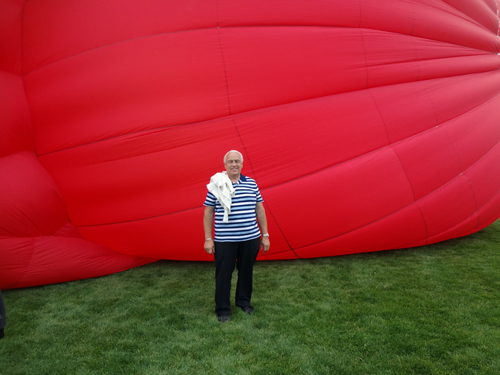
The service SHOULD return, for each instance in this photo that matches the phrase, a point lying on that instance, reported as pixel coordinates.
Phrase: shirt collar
(242, 179)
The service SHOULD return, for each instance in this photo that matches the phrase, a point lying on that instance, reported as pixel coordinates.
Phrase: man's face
(233, 164)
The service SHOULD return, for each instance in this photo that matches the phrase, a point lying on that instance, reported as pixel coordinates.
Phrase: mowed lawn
(427, 310)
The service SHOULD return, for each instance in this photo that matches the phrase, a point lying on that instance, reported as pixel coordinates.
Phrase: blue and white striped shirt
(242, 225)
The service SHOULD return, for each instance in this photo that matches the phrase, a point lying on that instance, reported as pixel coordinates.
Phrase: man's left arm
(262, 220)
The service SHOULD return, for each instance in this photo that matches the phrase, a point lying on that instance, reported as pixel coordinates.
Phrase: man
(237, 204)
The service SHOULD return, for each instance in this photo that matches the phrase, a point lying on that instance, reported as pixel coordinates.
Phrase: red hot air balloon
(368, 126)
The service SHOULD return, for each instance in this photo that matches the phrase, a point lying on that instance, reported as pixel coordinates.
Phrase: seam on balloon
(8, 232)
(32, 223)
(366, 61)
(140, 219)
(452, 228)
(454, 149)
(424, 221)
(416, 203)
(236, 125)
(228, 97)
(401, 164)
(381, 117)
(275, 106)
(217, 12)
(225, 72)
(247, 112)
(414, 196)
(176, 212)
(466, 17)
(248, 158)
(415, 61)
(262, 256)
(415, 45)
(332, 166)
(387, 146)
(460, 14)
(342, 234)
(281, 231)
(360, 14)
(238, 27)
(486, 204)
(413, 22)
(436, 117)
(457, 225)
(475, 198)
(406, 174)
(399, 159)
(415, 135)
(137, 132)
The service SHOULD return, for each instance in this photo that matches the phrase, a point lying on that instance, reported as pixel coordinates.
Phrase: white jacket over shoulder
(221, 186)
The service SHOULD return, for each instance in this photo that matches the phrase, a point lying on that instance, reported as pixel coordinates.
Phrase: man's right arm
(208, 223)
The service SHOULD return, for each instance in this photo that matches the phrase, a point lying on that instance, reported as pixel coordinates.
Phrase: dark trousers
(227, 255)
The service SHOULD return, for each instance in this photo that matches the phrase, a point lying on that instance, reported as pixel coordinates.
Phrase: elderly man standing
(236, 201)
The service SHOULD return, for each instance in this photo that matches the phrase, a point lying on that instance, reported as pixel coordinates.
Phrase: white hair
(227, 153)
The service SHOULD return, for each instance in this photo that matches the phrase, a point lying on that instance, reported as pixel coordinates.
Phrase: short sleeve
(211, 200)
(257, 195)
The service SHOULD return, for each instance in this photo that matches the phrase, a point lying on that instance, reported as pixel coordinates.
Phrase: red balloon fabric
(367, 125)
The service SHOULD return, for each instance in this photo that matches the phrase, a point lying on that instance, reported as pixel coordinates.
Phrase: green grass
(428, 310)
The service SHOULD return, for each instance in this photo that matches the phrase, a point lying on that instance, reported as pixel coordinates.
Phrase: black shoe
(224, 318)
(248, 310)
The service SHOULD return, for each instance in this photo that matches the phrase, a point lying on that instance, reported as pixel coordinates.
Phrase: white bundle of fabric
(221, 186)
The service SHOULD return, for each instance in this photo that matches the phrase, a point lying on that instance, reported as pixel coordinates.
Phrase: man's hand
(262, 220)
(264, 244)
(208, 223)
(209, 246)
